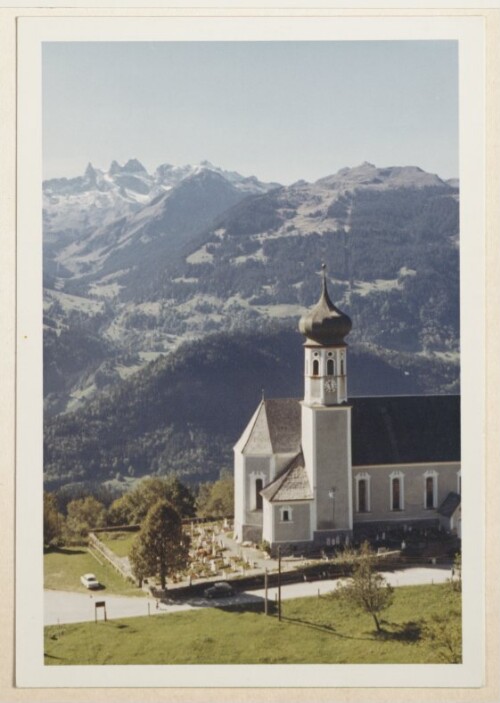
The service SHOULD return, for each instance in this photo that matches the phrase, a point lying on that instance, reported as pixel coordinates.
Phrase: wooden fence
(120, 564)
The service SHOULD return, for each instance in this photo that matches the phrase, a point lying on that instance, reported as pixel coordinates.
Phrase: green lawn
(63, 568)
(313, 630)
(118, 542)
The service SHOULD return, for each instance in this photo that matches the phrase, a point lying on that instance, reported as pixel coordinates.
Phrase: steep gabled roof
(291, 484)
(258, 438)
(449, 504)
(275, 428)
(283, 415)
(405, 429)
(385, 430)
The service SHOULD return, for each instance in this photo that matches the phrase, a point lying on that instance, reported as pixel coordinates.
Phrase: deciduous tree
(216, 499)
(446, 636)
(53, 521)
(456, 574)
(133, 506)
(368, 589)
(160, 549)
(83, 515)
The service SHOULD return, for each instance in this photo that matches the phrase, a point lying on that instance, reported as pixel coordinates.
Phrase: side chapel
(309, 472)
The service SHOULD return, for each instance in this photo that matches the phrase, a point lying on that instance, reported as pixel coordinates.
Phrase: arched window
(430, 489)
(342, 367)
(429, 492)
(397, 490)
(362, 496)
(258, 497)
(330, 367)
(316, 367)
(396, 494)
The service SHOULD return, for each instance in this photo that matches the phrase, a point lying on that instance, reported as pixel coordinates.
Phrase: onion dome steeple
(325, 324)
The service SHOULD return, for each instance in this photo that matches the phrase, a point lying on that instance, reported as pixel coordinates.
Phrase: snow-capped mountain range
(135, 263)
(77, 206)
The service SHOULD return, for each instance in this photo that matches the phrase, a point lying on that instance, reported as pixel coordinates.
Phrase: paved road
(413, 576)
(65, 607)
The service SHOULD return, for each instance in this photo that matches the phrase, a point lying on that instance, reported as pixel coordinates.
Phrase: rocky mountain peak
(367, 175)
(133, 166)
(114, 168)
(90, 174)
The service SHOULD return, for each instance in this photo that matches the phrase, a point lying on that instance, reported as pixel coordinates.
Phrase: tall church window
(342, 367)
(429, 492)
(258, 497)
(396, 494)
(362, 504)
(330, 367)
(316, 367)
(362, 493)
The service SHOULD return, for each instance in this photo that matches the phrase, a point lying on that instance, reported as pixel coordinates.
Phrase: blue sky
(278, 110)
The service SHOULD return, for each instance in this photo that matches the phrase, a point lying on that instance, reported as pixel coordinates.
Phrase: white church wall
(333, 468)
(412, 490)
(294, 529)
(239, 496)
(308, 442)
(268, 526)
(248, 517)
(256, 468)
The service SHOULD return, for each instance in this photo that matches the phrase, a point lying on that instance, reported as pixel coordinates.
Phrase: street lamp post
(331, 494)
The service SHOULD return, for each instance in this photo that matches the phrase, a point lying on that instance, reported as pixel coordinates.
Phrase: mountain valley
(142, 271)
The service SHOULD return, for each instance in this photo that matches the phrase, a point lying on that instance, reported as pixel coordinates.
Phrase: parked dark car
(221, 589)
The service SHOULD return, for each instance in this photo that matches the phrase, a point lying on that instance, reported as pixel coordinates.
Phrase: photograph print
(251, 353)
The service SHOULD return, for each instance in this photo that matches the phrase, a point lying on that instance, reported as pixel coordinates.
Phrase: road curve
(67, 607)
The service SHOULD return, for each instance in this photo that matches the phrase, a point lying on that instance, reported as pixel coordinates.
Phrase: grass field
(313, 630)
(63, 568)
(118, 542)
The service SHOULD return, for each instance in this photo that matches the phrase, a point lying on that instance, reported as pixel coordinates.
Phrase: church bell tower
(326, 418)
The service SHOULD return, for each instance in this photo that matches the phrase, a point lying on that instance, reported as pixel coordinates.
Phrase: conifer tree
(160, 549)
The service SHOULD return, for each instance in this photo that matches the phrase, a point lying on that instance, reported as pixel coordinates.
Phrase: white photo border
(32, 31)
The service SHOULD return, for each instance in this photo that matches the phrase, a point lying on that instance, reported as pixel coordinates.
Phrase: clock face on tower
(330, 385)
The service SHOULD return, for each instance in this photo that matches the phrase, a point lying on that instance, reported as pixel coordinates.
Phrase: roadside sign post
(100, 604)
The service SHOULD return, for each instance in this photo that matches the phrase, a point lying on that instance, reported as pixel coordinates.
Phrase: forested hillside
(172, 299)
(182, 414)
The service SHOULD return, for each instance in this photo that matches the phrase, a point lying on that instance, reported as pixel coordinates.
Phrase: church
(309, 473)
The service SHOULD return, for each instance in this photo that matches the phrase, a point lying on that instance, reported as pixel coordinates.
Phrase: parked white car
(90, 581)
